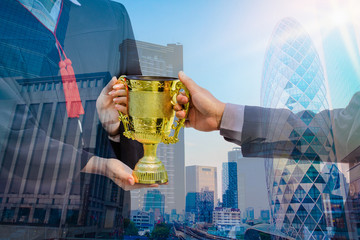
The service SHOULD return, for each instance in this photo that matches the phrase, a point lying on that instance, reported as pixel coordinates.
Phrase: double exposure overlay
(302, 187)
(308, 193)
(283, 162)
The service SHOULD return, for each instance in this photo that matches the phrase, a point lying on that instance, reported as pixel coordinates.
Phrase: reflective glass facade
(27, 198)
(230, 185)
(306, 191)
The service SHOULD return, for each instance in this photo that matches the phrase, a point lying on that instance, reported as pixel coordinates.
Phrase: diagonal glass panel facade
(304, 188)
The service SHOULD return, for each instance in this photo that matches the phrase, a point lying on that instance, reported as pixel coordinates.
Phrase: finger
(123, 179)
(182, 99)
(118, 93)
(180, 114)
(108, 88)
(120, 100)
(119, 86)
(121, 108)
(188, 82)
(177, 107)
(122, 174)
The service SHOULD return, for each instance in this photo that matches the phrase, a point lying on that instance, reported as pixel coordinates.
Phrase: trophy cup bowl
(150, 120)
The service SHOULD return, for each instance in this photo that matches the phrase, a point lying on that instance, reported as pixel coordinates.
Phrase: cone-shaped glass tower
(303, 187)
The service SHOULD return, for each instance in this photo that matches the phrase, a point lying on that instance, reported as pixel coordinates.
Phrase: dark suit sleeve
(127, 150)
(346, 124)
(265, 132)
(268, 132)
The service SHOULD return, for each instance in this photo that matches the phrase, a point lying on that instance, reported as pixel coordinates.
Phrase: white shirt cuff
(115, 138)
(233, 118)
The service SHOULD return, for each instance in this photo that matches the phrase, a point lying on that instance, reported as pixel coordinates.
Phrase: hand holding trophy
(150, 120)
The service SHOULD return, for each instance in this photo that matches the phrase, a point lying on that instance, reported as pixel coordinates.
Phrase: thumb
(188, 82)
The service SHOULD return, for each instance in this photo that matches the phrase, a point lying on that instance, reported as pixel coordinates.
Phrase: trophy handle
(180, 122)
(123, 117)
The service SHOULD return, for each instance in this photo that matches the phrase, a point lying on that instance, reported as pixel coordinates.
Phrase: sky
(224, 47)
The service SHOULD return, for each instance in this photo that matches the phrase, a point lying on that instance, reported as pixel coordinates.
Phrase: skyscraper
(201, 179)
(28, 198)
(230, 185)
(304, 187)
(154, 202)
(250, 215)
(265, 215)
(340, 43)
(251, 183)
(201, 205)
(159, 60)
(201, 192)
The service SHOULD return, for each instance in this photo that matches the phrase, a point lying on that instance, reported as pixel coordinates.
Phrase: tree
(161, 231)
(130, 228)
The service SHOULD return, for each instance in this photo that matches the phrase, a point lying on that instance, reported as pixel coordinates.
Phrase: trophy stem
(150, 153)
(149, 169)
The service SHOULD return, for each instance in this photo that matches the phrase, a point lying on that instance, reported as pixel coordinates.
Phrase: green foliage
(147, 234)
(161, 231)
(130, 228)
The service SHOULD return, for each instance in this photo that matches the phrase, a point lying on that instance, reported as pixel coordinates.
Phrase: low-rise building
(226, 218)
(144, 221)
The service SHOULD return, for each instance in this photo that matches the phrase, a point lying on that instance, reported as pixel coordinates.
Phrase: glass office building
(230, 185)
(154, 202)
(33, 192)
(306, 190)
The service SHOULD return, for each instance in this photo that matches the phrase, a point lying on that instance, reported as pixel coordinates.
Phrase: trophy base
(150, 173)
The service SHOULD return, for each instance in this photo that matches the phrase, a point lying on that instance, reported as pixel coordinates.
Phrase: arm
(267, 132)
(346, 127)
(114, 169)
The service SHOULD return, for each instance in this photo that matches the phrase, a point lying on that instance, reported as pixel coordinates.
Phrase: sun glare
(340, 17)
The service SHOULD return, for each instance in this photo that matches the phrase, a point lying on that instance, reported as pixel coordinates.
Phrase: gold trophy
(150, 120)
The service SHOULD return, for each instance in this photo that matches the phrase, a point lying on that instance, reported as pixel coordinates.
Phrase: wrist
(108, 168)
(115, 138)
(114, 135)
(220, 113)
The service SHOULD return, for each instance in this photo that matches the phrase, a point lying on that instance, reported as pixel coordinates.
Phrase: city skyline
(297, 61)
(251, 182)
(38, 194)
(238, 40)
